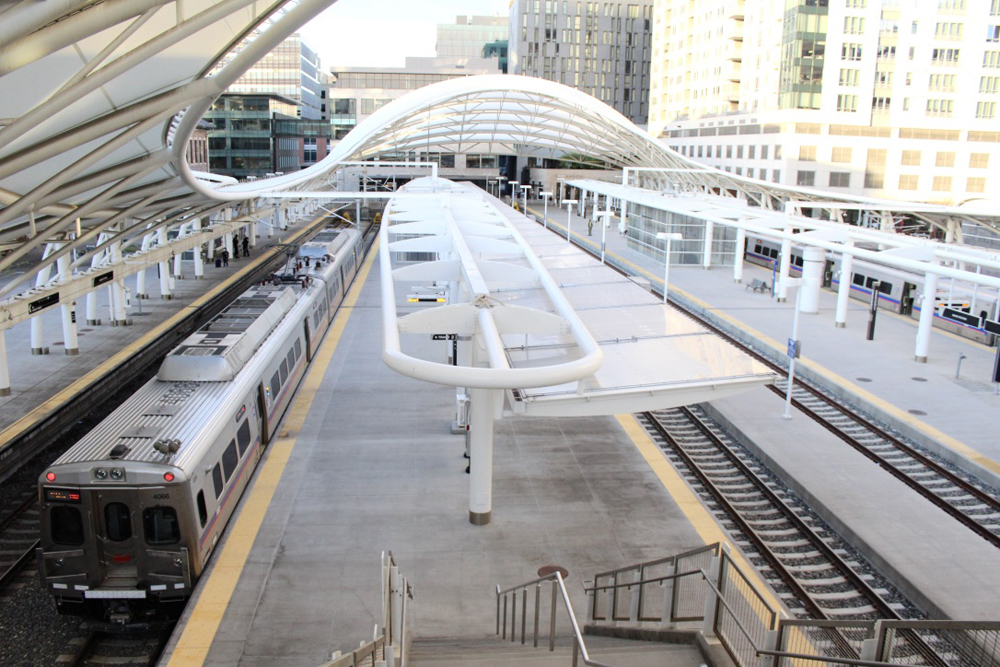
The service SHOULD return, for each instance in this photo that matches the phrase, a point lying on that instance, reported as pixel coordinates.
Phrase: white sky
(381, 33)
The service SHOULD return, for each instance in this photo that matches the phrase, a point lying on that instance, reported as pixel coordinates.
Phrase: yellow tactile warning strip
(80, 385)
(196, 640)
(703, 522)
(946, 440)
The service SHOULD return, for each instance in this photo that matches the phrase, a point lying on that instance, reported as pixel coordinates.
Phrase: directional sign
(794, 349)
(43, 303)
(444, 336)
(991, 327)
(961, 317)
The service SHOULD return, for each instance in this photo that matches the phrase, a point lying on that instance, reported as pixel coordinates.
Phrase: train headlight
(117, 473)
(100, 473)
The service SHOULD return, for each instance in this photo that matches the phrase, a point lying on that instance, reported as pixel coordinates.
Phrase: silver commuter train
(131, 513)
(897, 288)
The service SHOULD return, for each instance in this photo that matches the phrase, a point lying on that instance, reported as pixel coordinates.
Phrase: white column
(623, 223)
(926, 318)
(741, 242)
(164, 268)
(813, 263)
(252, 232)
(786, 262)
(844, 288)
(706, 253)
(179, 257)
(199, 263)
(37, 342)
(480, 456)
(140, 276)
(71, 346)
(118, 315)
(4, 367)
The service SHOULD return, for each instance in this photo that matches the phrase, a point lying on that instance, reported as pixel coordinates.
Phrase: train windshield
(161, 526)
(67, 525)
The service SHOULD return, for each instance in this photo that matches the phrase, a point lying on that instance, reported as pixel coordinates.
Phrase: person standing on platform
(225, 257)
(246, 246)
(236, 245)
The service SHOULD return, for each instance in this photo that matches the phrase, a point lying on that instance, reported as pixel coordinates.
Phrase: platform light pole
(668, 237)
(793, 343)
(569, 204)
(500, 180)
(545, 212)
(604, 217)
(513, 192)
(524, 191)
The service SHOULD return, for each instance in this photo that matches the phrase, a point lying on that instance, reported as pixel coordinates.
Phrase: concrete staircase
(491, 651)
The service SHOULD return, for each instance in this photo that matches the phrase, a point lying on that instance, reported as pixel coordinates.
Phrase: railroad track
(812, 571)
(18, 539)
(99, 648)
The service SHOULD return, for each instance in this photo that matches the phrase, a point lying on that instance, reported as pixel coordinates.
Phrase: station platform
(366, 462)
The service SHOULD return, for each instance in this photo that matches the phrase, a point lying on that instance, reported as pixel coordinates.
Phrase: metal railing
(706, 586)
(558, 589)
(389, 644)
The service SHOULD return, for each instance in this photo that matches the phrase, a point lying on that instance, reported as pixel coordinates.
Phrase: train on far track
(897, 289)
(131, 514)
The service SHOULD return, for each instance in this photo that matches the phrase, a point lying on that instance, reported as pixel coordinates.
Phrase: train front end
(113, 543)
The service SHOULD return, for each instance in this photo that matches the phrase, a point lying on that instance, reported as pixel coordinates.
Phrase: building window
(750, 172)
(886, 52)
(911, 158)
(986, 109)
(763, 149)
(941, 82)
(729, 151)
(849, 77)
(948, 31)
(945, 56)
(940, 107)
(777, 152)
(805, 178)
(874, 179)
(840, 179)
(807, 154)
(847, 103)
(991, 59)
(854, 25)
(776, 175)
(942, 184)
(841, 154)
(907, 182)
(739, 152)
(975, 184)
(880, 104)
(944, 159)
(993, 33)
(989, 84)
(850, 51)
(951, 5)
(979, 160)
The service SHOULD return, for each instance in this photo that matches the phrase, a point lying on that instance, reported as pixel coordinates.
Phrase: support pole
(199, 263)
(164, 268)
(813, 263)
(706, 253)
(178, 258)
(70, 344)
(37, 341)
(4, 367)
(739, 254)
(481, 456)
(926, 318)
(844, 288)
(786, 263)
(140, 276)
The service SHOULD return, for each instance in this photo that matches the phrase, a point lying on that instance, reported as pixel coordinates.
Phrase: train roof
(327, 242)
(221, 347)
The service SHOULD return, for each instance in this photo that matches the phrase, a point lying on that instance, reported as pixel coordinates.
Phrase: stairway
(491, 651)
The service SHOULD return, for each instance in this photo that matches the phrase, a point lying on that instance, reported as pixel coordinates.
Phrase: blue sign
(793, 349)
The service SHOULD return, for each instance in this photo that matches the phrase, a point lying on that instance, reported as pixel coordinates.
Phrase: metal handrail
(629, 584)
(579, 645)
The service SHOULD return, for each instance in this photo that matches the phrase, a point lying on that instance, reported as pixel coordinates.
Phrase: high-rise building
(601, 48)
(468, 35)
(887, 98)
(293, 71)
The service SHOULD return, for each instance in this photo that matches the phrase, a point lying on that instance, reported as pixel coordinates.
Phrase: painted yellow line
(55, 402)
(196, 640)
(703, 522)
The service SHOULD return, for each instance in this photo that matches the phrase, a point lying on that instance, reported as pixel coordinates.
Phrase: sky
(381, 33)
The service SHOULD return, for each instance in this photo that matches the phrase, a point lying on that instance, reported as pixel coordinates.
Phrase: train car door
(309, 350)
(906, 299)
(116, 527)
(828, 274)
(262, 410)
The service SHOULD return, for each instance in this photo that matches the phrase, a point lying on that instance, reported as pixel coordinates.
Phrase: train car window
(283, 369)
(291, 359)
(217, 479)
(117, 522)
(67, 525)
(797, 260)
(885, 288)
(202, 509)
(230, 459)
(758, 249)
(773, 252)
(275, 385)
(858, 279)
(160, 525)
(298, 349)
(243, 436)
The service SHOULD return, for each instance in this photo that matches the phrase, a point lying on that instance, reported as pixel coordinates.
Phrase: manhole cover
(919, 379)
(863, 379)
(86, 329)
(546, 570)
(919, 413)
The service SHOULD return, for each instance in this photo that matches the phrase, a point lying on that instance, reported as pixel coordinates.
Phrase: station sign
(961, 317)
(43, 303)
(444, 336)
(106, 277)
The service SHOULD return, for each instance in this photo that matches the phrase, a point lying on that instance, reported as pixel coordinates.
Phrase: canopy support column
(706, 254)
(813, 263)
(37, 346)
(4, 367)
(199, 263)
(481, 455)
(844, 288)
(926, 318)
(786, 263)
(738, 255)
(70, 344)
(164, 268)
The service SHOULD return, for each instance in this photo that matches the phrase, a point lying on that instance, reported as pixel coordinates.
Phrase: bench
(757, 285)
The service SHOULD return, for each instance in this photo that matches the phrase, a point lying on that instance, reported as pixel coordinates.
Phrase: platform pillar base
(39, 350)
(166, 297)
(480, 518)
(93, 323)
(919, 359)
(781, 299)
(840, 325)
(4, 391)
(72, 351)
